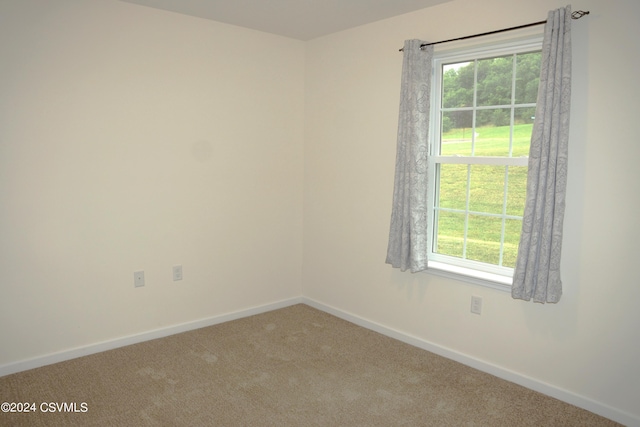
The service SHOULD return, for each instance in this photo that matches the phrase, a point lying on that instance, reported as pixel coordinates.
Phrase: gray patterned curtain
(407, 247)
(537, 271)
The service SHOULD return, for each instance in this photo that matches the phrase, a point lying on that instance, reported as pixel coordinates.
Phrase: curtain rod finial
(579, 14)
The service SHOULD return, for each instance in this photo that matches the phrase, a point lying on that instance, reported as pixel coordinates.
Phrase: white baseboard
(572, 398)
(73, 353)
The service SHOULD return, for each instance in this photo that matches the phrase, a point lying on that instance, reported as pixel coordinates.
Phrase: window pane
(512, 230)
(495, 81)
(493, 132)
(516, 190)
(483, 239)
(450, 238)
(523, 119)
(527, 77)
(453, 186)
(457, 85)
(456, 133)
(486, 189)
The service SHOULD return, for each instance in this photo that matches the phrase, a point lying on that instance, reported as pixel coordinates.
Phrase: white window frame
(463, 269)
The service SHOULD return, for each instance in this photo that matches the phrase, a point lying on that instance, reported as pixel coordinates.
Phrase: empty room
(305, 212)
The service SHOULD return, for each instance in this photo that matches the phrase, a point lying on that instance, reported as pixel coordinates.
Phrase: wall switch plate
(138, 279)
(476, 305)
(177, 273)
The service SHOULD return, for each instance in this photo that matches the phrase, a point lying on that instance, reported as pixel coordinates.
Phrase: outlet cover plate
(476, 305)
(177, 273)
(138, 279)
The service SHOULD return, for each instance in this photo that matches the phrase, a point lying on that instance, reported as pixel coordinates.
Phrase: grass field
(485, 186)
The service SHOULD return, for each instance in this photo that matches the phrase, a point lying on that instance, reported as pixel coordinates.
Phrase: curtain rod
(575, 15)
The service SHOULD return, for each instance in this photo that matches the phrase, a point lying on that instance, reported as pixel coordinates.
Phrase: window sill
(490, 280)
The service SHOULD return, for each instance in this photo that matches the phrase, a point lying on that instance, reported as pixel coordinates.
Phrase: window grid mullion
(473, 153)
(504, 213)
(466, 214)
(512, 119)
(487, 107)
(475, 105)
(488, 214)
(506, 169)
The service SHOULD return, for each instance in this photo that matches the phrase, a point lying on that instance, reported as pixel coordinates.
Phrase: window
(482, 119)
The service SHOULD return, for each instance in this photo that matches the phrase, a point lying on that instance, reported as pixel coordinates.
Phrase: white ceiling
(299, 19)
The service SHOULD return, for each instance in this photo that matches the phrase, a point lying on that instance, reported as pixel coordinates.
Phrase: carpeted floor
(295, 366)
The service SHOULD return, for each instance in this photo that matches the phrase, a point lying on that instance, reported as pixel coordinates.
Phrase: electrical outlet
(476, 305)
(177, 273)
(138, 279)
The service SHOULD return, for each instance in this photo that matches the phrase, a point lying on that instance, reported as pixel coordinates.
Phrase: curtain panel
(537, 271)
(407, 248)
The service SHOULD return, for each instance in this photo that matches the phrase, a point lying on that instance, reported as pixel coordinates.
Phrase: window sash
(468, 264)
(485, 272)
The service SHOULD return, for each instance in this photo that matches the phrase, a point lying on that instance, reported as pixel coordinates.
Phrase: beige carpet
(291, 367)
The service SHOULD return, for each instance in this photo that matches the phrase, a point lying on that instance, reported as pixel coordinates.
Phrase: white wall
(136, 139)
(587, 344)
(132, 138)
